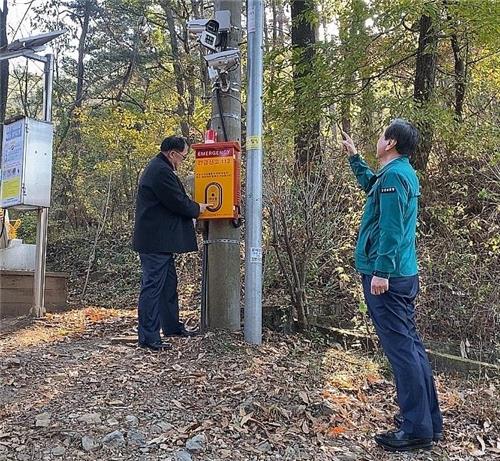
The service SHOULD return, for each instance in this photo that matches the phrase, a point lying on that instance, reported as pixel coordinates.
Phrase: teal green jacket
(386, 240)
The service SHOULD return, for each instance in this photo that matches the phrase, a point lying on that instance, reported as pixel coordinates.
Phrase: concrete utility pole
(224, 282)
(253, 211)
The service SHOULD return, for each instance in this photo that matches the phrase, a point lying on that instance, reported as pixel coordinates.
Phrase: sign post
(43, 212)
(28, 47)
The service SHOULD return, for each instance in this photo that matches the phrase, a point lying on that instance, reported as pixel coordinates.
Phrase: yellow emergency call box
(217, 179)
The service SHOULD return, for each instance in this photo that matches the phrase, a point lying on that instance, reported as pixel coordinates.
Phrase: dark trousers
(393, 314)
(158, 301)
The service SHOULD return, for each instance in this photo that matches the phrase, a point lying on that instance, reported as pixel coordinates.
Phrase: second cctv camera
(223, 60)
(208, 40)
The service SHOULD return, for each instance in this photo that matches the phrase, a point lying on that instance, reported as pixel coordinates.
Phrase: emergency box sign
(26, 164)
(217, 179)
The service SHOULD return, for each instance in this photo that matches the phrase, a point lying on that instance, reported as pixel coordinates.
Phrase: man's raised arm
(359, 167)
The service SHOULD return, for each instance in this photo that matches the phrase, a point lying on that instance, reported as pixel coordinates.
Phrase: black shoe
(184, 333)
(437, 437)
(157, 347)
(398, 421)
(401, 441)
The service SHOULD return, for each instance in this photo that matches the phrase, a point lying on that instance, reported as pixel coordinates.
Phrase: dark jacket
(164, 213)
(386, 241)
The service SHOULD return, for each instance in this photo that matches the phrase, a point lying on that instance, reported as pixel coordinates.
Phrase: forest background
(127, 74)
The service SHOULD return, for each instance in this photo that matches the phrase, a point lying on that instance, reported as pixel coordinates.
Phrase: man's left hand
(379, 285)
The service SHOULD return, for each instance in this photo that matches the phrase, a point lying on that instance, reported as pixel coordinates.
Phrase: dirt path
(67, 392)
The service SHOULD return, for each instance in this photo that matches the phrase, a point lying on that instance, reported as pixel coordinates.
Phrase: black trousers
(158, 301)
(393, 314)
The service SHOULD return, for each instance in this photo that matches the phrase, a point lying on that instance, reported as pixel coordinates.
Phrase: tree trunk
(300, 306)
(133, 62)
(266, 32)
(346, 35)
(354, 40)
(368, 136)
(4, 69)
(80, 73)
(459, 77)
(281, 21)
(460, 66)
(274, 8)
(307, 136)
(179, 79)
(425, 77)
(197, 9)
(74, 123)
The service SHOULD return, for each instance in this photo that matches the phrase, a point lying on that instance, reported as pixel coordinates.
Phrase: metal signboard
(26, 164)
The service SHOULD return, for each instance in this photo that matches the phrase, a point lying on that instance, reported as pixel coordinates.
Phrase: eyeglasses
(181, 154)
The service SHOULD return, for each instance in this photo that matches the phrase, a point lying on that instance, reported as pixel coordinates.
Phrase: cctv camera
(212, 27)
(208, 40)
(197, 26)
(224, 60)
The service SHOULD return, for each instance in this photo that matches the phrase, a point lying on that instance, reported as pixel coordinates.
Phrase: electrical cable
(224, 41)
(219, 105)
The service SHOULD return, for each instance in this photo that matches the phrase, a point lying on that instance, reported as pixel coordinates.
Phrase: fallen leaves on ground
(68, 392)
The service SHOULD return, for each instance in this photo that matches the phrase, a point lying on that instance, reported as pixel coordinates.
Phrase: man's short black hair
(405, 134)
(177, 143)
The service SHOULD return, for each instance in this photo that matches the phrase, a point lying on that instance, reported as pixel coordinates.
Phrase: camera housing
(197, 26)
(207, 31)
(209, 40)
(223, 60)
(211, 34)
(212, 26)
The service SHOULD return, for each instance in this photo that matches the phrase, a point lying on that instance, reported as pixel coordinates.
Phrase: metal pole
(253, 240)
(43, 213)
(223, 258)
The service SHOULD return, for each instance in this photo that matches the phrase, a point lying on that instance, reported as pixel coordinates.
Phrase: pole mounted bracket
(223, 241)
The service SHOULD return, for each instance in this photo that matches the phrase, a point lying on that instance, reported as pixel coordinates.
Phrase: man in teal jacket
(387, 260)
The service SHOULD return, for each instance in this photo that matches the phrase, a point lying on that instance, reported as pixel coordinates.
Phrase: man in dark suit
(163, 227)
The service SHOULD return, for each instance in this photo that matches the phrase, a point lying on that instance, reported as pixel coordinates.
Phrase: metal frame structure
(29, 47)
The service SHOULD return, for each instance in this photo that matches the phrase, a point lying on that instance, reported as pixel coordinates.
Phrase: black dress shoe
(399, 420)
(437, 437)
(401, 441)
(157, 347)
(184, 333)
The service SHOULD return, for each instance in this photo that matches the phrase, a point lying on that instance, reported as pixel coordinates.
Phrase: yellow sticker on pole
(254, 142)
